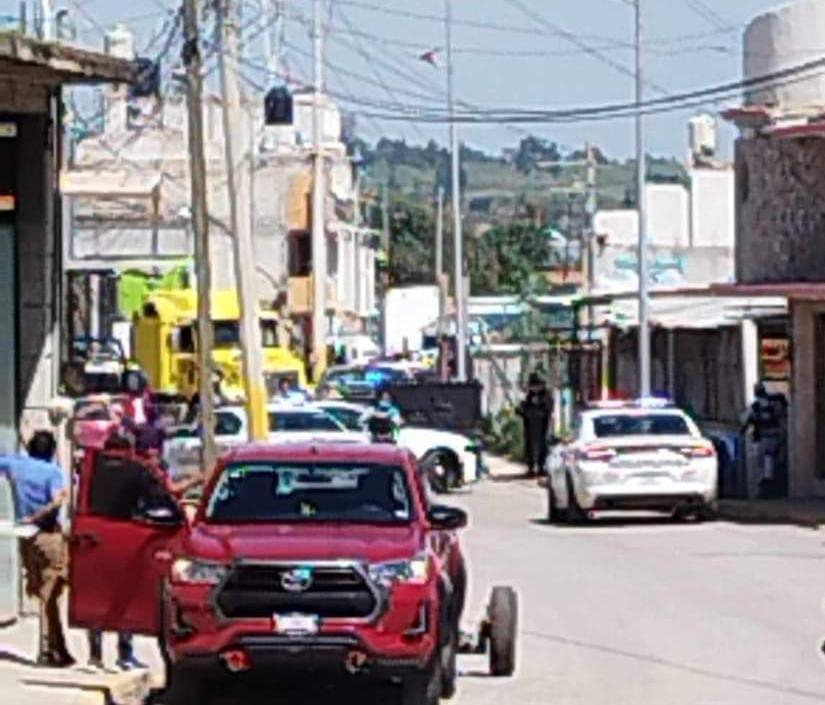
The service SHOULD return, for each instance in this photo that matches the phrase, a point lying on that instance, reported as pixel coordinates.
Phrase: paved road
(649, 612)
(644, 613)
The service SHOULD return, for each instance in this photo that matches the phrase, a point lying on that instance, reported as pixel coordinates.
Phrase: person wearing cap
(536, 411)
(41, 493)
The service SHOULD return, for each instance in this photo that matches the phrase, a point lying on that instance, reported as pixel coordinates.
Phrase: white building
(129, 201)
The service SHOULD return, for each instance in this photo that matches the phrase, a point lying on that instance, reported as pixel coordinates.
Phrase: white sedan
(287, 423)
(638, 456)
(456, 456)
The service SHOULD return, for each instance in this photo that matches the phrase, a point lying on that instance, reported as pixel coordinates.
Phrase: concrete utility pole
(47, 18)
(200, 223)
(460, 302)
(641, 180)
(588, 260)
(239, 183)
(319, 235)
(440, 279)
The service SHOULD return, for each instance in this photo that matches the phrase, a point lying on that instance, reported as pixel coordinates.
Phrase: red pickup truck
(305, 558)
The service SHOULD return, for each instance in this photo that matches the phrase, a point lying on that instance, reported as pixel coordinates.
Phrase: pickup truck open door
(124, 523)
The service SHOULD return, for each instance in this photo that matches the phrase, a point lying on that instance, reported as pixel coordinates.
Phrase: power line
(576, 40)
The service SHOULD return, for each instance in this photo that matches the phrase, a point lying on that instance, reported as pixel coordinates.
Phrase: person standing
(766, 418)
(40, 494)
(536, 411)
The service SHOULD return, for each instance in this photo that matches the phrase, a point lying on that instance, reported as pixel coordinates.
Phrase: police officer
(536, 412)
(766, 417)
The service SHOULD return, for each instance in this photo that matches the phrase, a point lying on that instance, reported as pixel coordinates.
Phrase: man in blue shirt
(40, 494)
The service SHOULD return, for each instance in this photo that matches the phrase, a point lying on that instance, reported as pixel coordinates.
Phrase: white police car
(644, 455)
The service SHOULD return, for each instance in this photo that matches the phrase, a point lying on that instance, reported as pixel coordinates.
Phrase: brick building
(780, 193)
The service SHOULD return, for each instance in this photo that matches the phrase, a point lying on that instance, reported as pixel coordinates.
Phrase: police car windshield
(614, 425)
(274, 492)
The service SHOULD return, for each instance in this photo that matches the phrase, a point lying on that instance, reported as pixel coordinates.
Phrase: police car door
(124, 523)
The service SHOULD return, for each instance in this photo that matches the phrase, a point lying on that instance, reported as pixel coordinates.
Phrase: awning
(797, 291)
(108, 185)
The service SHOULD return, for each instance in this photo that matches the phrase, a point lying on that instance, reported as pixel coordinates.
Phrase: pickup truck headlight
(195, 572)
(415, 571)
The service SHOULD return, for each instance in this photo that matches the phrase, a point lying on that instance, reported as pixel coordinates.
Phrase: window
(269, 333)
(269, 492)
(351, 418)
(303, 421)
(227, 334)
(641, 425)
(227, 424)
(123, 489)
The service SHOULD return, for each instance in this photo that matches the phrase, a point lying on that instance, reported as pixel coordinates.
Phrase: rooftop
(22, 56)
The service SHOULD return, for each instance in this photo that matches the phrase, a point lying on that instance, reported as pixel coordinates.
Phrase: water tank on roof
(703, 135)
(781, 39)
(120, 42)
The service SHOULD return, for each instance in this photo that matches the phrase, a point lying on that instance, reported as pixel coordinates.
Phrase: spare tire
(503, 626)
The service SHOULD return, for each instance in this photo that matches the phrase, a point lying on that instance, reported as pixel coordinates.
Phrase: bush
(504, 435)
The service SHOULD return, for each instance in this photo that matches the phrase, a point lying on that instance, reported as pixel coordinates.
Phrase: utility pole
(193, 61)
(641, 179)
(385, 276)
(239, 184)
(319, 236)
(439, 260)
(460, 310)
(47, 18)
(588, 260)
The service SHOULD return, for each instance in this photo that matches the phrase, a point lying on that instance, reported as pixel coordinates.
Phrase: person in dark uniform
(766, 417)
(536, 412)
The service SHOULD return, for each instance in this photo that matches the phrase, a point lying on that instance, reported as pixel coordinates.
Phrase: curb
(765, 513)
(120, 689)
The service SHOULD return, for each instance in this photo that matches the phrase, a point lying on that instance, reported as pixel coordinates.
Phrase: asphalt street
(640, 611)
(653, 612)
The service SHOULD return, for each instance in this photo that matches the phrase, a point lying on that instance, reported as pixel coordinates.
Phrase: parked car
(305, 557)
(453, 458)
(644, 455)
(287, 423)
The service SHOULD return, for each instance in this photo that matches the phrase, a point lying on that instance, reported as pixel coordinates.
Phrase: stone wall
(780, 194)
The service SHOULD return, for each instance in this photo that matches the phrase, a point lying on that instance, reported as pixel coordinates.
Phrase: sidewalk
(21, 681)
(801, 512)
(504, 469)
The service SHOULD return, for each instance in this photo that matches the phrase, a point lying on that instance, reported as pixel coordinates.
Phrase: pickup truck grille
(257, 591)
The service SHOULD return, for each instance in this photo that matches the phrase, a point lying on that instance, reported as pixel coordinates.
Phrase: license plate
(298, 624)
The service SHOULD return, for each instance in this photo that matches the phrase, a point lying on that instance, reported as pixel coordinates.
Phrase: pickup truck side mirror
(447, 518)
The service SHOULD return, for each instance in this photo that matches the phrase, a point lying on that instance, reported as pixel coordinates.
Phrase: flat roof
(28, 58)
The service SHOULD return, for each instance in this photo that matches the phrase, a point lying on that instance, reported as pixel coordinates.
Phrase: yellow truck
(165, 334)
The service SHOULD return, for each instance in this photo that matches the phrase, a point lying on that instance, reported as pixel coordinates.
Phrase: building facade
(130, 203)
(780, 197)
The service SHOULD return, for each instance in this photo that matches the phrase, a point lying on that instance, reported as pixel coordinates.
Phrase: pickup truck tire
(424, 688)
(449, 667)
(183, 688)
(503, 625)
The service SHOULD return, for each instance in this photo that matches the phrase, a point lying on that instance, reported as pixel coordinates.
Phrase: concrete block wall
(780, 210)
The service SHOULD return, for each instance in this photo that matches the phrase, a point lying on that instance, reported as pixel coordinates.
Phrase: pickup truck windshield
(270, 492)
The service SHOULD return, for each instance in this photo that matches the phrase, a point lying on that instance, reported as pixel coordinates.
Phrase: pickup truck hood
(303, 542)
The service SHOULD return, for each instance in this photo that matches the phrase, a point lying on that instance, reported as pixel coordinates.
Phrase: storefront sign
(8, 130)
(775, 354)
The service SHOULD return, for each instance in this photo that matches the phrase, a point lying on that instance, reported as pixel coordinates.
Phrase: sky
(523, 53)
